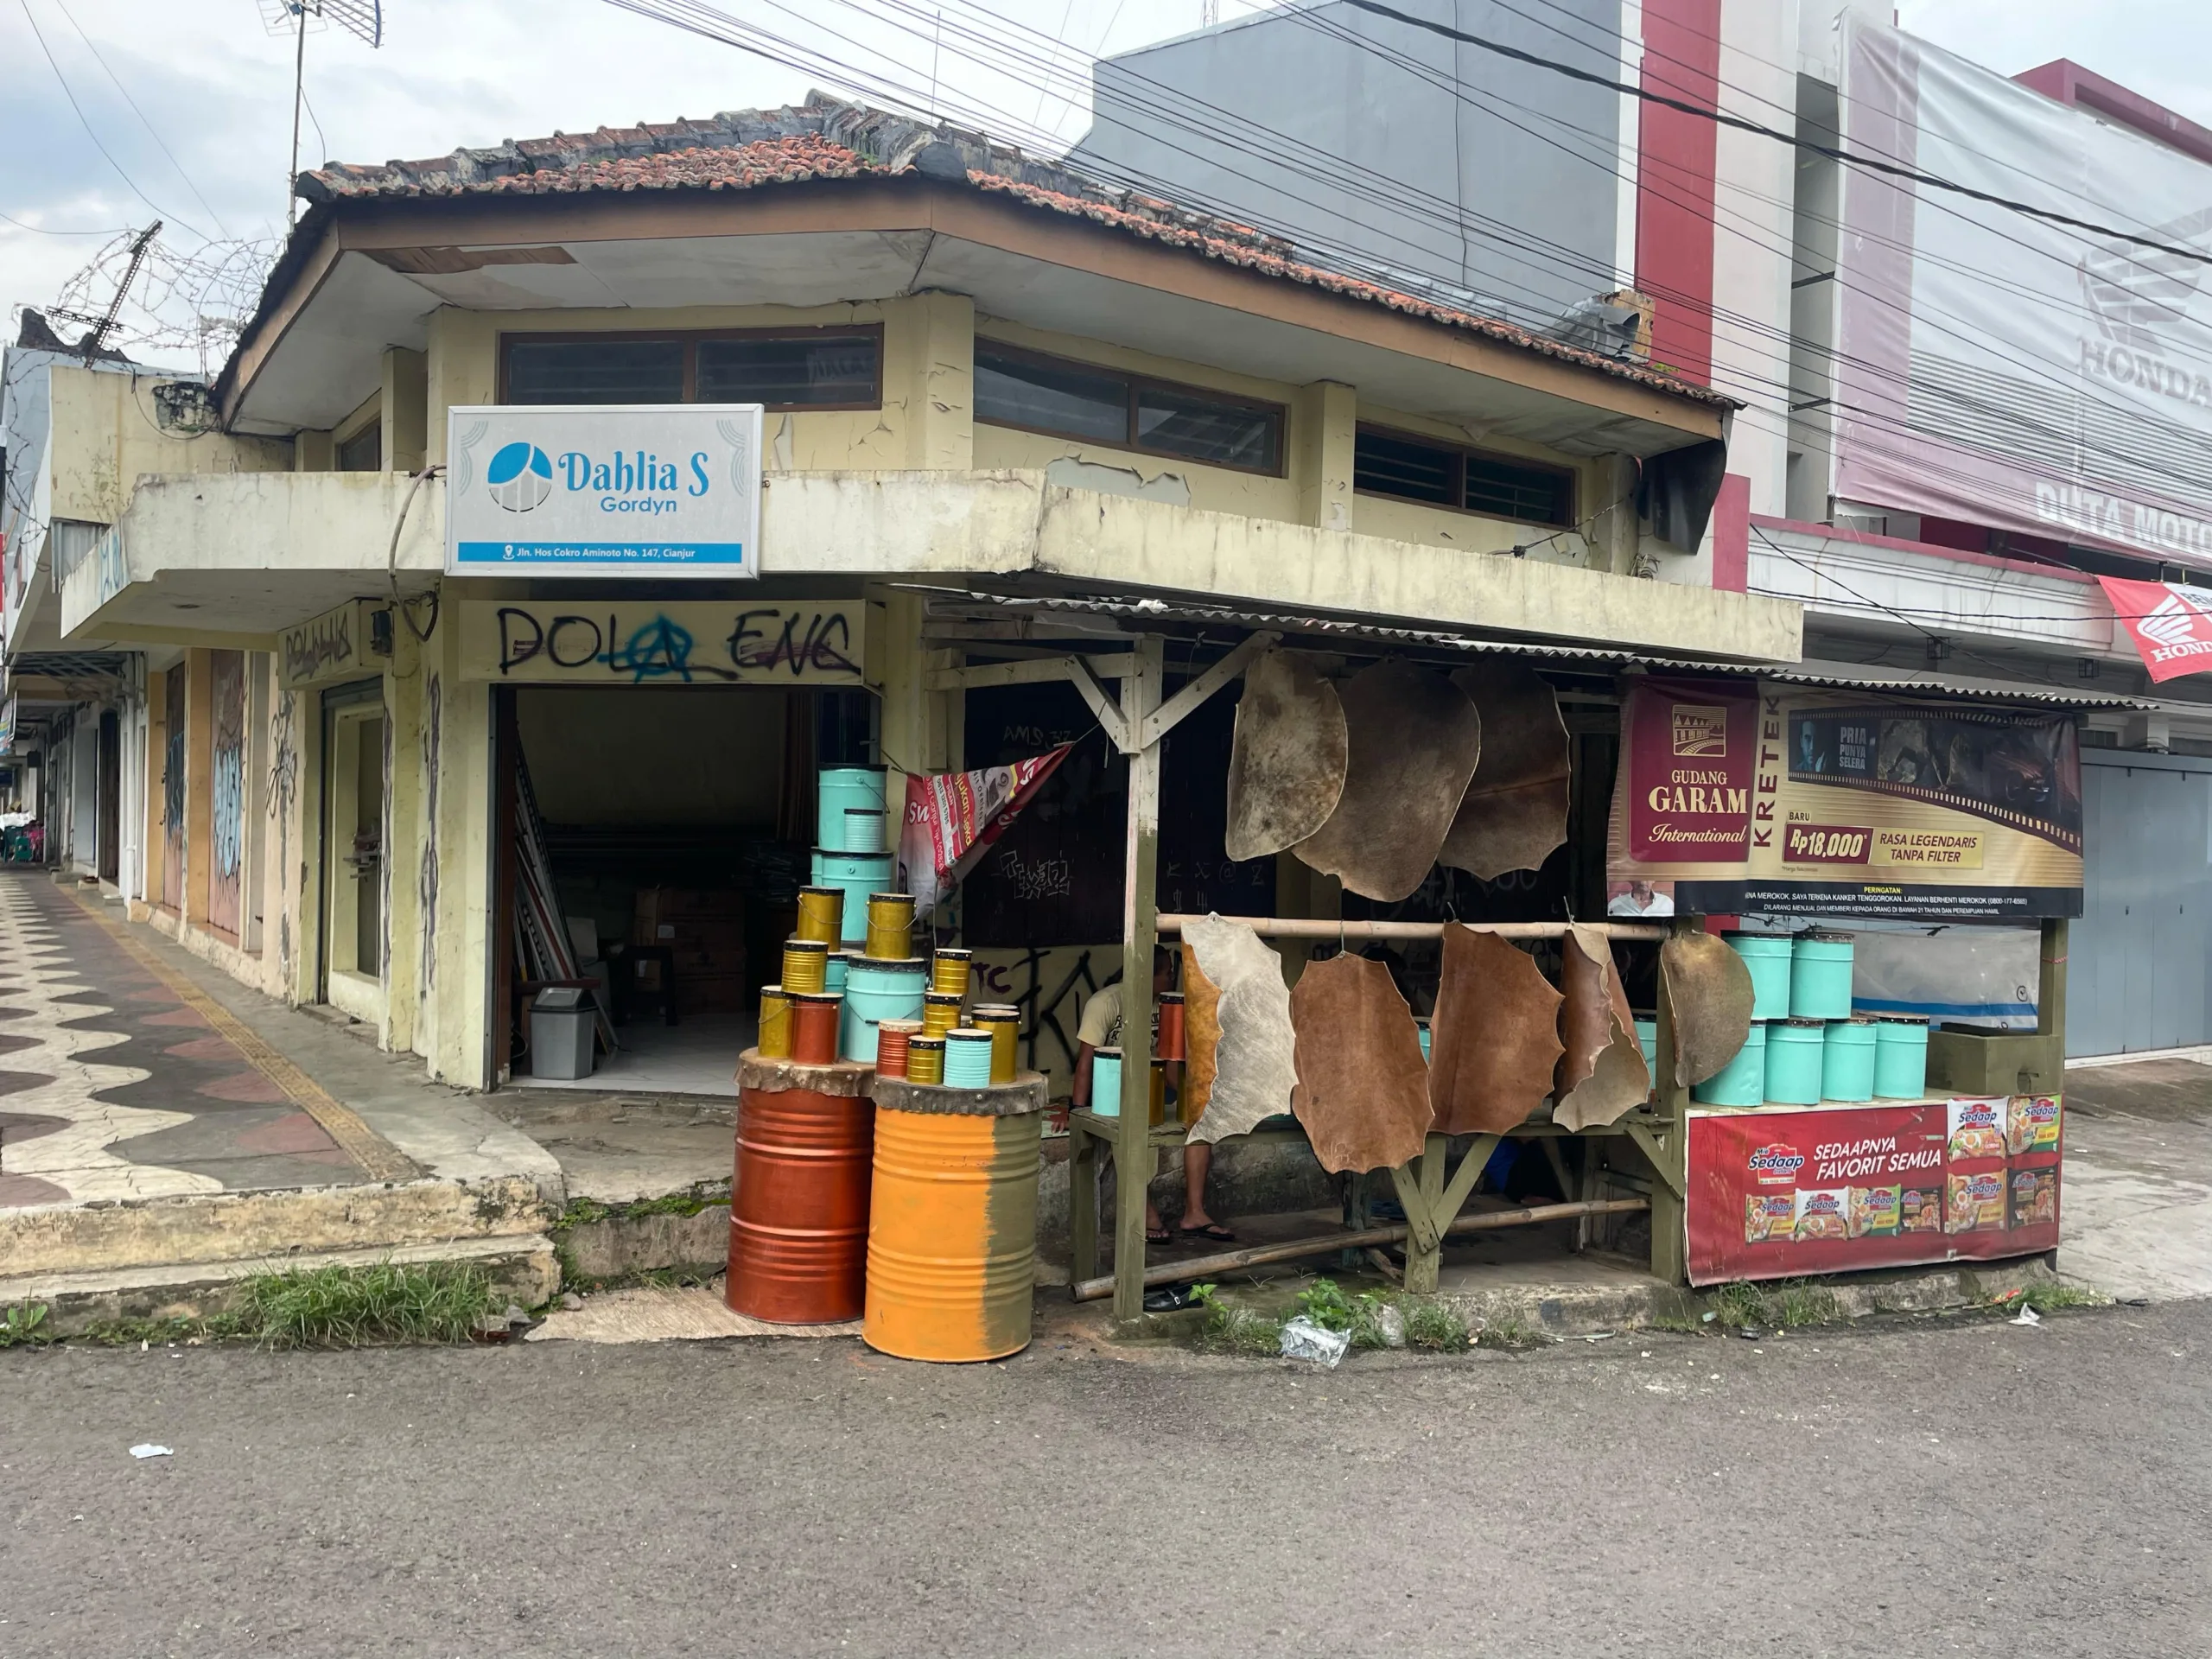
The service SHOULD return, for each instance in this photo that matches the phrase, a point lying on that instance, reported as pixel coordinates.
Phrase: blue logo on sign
(520, 477)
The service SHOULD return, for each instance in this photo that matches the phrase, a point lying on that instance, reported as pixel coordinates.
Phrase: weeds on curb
(20, 1324)
(1237, 1330)
(1435, 1326)
(1784, 1305)
(2049, 1295)
(1510, 1334)
(351, 1307)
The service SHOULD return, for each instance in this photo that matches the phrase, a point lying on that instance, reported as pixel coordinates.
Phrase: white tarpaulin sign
(579, 490)
(2002, 369)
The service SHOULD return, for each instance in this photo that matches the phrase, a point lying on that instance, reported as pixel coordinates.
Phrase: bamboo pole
(1299, 927)
(1176, 1273)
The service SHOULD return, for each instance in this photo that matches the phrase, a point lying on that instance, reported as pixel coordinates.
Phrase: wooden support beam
(1102, 702)
(1032, 672)
(1208, 1267)
(1432, 1204)
(1303, 927)
(1171, 713)
(1140, 907)
(1669, 1235)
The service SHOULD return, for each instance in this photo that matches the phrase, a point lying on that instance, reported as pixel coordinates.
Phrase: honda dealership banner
(1739, 798)
(2003, 369)
(1776, 1194)
(2169, 622)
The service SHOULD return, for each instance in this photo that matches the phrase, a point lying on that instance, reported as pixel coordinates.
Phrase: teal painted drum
(838, 788)
(1820, 976)
(1647, 1033)
(1900, 1057)
(1742, 1082)
(859, 874)
(1106, 1082)
(1423, 1027)
(1847, 1059)
(875, 992)
(1768, 956)
(967, 1059)
(833, 970)
(1794, 1050)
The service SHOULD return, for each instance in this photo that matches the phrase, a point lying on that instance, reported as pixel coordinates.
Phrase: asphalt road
(1961, 1487)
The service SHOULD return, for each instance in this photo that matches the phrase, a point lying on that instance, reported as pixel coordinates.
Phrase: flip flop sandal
(1158, 1236)
(1213, 1231)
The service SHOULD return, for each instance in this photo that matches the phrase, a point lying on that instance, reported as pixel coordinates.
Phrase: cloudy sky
(115, 111)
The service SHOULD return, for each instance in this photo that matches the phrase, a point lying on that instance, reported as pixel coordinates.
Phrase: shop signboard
(1735, 796)
(691, 642)
(1774, 1194)
(650, 490)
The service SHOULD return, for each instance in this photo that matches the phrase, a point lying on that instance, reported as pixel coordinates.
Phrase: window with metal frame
(1067, 399)
(1469, 480)
(781, 368)
(364, 451)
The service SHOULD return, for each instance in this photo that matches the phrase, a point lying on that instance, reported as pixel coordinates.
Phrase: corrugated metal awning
(1833, 676)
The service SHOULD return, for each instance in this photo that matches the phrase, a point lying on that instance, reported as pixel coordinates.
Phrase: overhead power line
(1833, 152)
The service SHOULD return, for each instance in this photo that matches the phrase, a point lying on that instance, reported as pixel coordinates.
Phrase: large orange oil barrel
(952, 1233)
(799, 1206)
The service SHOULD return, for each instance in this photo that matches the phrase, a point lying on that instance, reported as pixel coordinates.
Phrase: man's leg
(1198, 1163)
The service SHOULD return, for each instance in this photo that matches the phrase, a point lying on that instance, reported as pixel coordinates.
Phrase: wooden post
(2050, 987)
(1669, 1246)
(1141, 697)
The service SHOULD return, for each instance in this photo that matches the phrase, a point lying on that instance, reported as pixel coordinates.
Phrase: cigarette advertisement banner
(1735, 797)
(1776, 1194)
(952, 817)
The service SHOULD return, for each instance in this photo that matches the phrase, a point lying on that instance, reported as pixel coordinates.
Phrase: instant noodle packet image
(1920, 1210)
(1821, 1214)
(1875, 1210)
(2034, 1197)
(1769, 1218)
(1977, 1130)
(2032, 1123)
(1973, 1202)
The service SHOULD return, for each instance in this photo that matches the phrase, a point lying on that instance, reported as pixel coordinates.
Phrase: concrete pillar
(462, 366)
(930, 363)
(404, 789)
(315, 452)
(405, 409)
(1324, 424)
(1614, 530)
(456, 861)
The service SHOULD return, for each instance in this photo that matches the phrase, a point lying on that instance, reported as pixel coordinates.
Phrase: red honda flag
(2171, 624)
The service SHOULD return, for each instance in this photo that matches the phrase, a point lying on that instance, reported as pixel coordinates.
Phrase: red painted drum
(799, 1209)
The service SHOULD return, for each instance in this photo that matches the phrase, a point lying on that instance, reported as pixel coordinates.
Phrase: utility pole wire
(1835, 153)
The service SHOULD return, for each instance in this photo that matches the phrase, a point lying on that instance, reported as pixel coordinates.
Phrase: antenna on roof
(1209, 13)
(361, 18)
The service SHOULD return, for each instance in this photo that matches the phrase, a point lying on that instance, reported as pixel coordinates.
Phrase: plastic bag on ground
(1303, 1339)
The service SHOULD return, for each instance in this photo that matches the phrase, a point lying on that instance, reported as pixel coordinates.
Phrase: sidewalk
(163, 1128)
(2136, 1215)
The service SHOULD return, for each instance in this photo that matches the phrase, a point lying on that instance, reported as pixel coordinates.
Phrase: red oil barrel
(798, 1209)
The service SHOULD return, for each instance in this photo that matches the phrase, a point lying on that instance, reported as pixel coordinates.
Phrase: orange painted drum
(814, 1026)
(1171, 1026)
(952, 1235)
(798, 1211)
(891, 1038)
(775, 1023)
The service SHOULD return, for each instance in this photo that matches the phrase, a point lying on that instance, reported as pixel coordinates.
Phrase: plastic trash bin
(562, 1030)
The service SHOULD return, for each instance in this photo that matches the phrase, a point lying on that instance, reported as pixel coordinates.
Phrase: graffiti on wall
(226, 788)
(283, 783)
(687, 643)
(1050, 986)
(427, 880)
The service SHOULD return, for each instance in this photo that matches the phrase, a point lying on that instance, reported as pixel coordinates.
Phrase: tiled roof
(826, 138)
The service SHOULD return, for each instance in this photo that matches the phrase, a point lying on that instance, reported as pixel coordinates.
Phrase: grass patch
(1510, 1334)
(1236, 1330)
(1784, 1305)
(2049, 1296)
(1435, 1326)
(23, 1325)
(353, 1307)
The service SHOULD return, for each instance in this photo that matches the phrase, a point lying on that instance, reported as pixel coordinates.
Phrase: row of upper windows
(843, 369)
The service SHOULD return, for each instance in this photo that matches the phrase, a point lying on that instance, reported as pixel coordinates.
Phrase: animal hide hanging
(1494, 1039)
(1602, 1075)
(1363, 1087)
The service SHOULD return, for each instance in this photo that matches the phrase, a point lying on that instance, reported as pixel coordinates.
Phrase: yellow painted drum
(775, 1023)
(890, 926)
(1004, 1023)
(820, 914)
(806, 966)
(949, 971)
(952, 1235)
(940, 1013)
